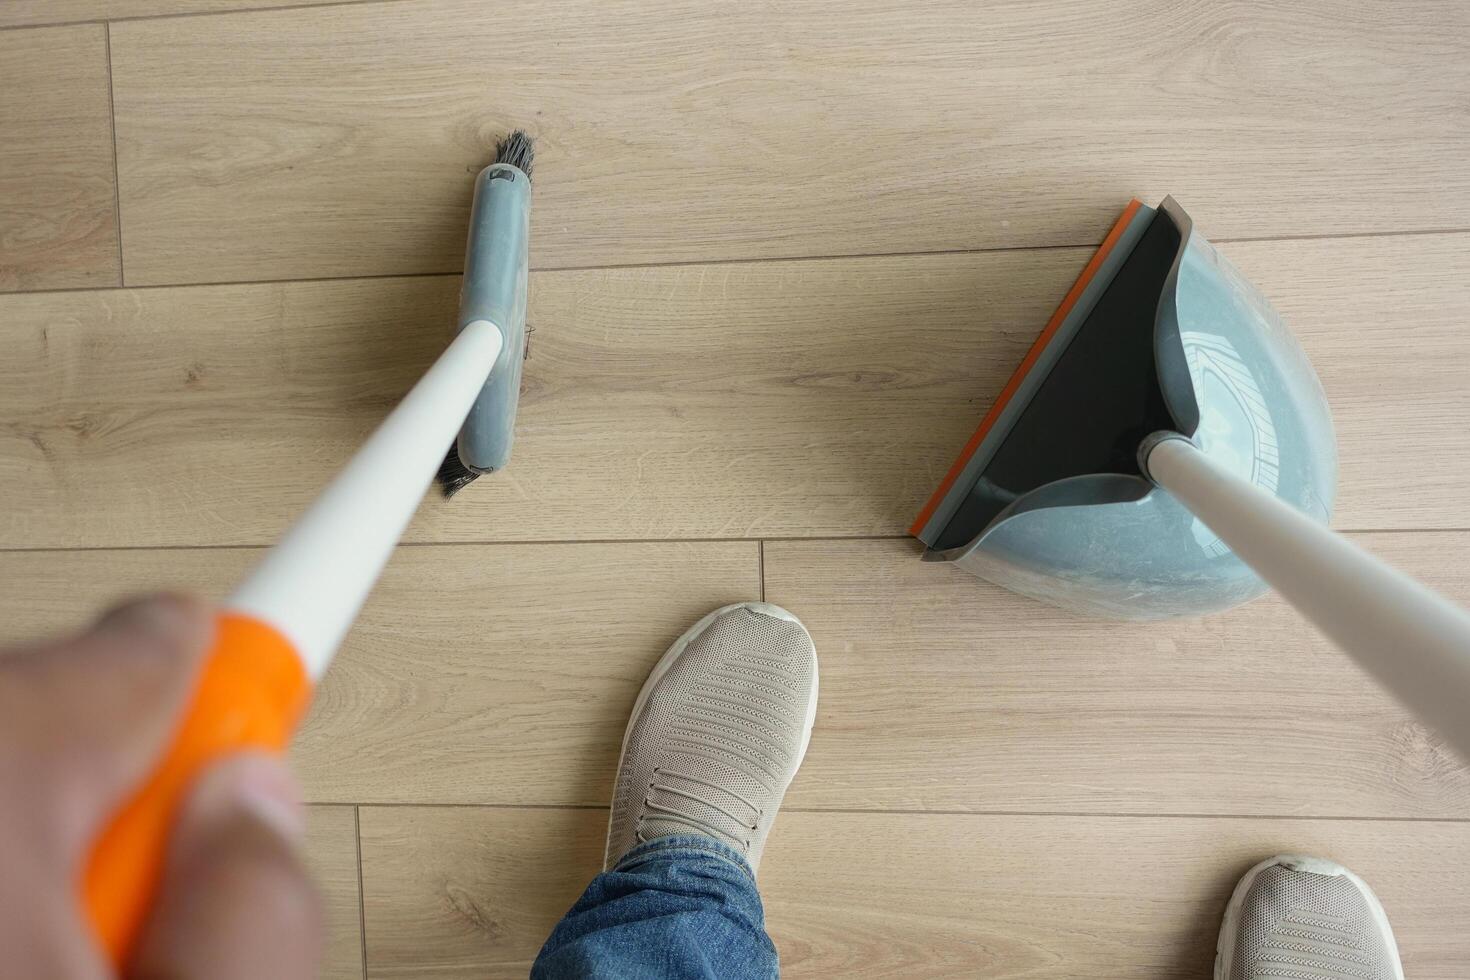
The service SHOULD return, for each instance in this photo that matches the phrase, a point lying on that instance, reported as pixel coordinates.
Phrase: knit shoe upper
(717, 733)
(1303, 918)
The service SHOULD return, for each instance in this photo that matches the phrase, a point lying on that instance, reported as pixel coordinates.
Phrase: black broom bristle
(453, 475)
(518, 150)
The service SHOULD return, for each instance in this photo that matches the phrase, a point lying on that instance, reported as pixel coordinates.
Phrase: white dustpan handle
(1413, 640)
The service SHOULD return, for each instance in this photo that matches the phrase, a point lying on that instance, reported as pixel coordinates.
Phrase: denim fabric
(676, 908)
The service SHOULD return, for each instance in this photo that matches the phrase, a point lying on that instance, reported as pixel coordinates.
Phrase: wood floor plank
(1392, 357)
(58, 214)
(504, 674)
(30, 13)
(465, 892)
(498, 674)
(331, 854)
(341, 141)
(940, 691)
(782, 399)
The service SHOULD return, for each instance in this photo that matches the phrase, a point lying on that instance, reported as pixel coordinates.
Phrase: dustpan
(1160, 332)
(1164, 450)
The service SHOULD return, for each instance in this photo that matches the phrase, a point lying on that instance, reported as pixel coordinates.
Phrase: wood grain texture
(498, 674)
(1392, 357)
(31, 13)
(504, 674)
(462, 892)
(468, 891)
(58, 215)
(781, 399)
(331, 854)
(941, 691)
(341, 141)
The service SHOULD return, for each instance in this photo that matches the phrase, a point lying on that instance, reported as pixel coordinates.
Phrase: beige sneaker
(1294, 917)
(717, 733)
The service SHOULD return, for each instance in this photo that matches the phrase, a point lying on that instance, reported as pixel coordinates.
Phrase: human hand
(82, 721)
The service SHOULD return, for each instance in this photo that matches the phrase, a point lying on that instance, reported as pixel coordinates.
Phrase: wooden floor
(784, 256)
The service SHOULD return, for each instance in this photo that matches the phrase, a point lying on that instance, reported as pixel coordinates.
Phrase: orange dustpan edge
(1014, 384)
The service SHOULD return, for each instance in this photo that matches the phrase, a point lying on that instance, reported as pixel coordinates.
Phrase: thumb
(236, 901)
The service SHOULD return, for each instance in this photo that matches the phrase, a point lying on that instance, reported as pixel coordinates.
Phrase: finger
(236, 901)
(86, 718)
(40, 931)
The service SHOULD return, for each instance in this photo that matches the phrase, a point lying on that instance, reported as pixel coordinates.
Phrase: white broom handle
(311, 585)
(1413, 640)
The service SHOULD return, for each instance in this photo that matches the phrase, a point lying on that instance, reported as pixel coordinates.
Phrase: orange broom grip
(250, 695)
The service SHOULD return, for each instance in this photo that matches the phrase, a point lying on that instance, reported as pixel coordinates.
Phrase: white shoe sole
(1230, 928)
(666, 662)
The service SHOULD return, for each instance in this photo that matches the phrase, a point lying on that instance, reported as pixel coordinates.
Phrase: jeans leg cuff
(689, 845)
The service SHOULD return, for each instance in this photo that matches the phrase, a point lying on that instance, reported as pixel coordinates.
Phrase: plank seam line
(122, 278)
(760, 560)
(361, 890)
(880, 811)
(757, 260)
(624, 541)
(463, 544)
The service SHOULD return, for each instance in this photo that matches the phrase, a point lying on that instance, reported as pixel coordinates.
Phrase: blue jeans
(676, 908)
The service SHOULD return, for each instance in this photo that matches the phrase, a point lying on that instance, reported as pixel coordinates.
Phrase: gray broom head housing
(495, 287)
